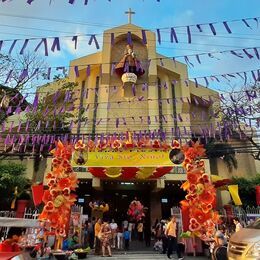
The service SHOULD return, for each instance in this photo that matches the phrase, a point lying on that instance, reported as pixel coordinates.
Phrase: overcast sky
(19, 20)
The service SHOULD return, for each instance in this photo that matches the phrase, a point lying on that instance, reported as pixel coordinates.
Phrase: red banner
(257, 192)
(37, 193)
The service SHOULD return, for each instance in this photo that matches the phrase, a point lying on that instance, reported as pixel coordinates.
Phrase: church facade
(158, 99)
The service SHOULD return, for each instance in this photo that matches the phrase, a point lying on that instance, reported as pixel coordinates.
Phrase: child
(158, 245)
(126, 238)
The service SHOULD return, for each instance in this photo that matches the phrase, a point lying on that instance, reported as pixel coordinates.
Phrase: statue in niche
(129, 63)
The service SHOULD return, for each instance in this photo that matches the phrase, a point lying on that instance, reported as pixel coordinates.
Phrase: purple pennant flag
(71, 2)
(188, 61)
(227, 27)
(246, 23)
(75, 40)
(88, 70)
(198, 58)
(113, 66)
(196, 100)
(129, 38)
(9, 75)
(12, 47)
(134, 89)
(29, 1)
(236, 54)
(186, 81)
(189, 34)
(55, 44)
(23, 75)
(49, 73)
(35, 102)
(76, 70)
(240, 75)
(27, 126)
(212, 28)
(206, 81)
(93, 38)
(248, 54)
(174, 35)
(117, 122)
(199, 27)
(24, 46)
(43, 41)
(112, 41)
(158, 36)
(253, 75)
(18, 110)
(196, 83)
(245, 77)
(1, 44)
(256, 53)
(144, 39)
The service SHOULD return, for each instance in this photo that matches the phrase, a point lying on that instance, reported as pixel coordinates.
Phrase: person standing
(126, 239)
(130, 229)
(119, 238)
(147, 234)
(105, 237)
(97, 230)
(238, 224)
(140, 229)
(171, 234)
(113, 227)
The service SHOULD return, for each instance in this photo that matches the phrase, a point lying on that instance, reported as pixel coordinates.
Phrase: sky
(43, 18)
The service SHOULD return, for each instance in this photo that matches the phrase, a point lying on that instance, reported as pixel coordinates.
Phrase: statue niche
(129, 69)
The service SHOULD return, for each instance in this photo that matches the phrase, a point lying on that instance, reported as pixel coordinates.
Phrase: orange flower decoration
(80, 146)
(64, 183)
(200, 216)
(192, 177)
(116, 144)
(206, 197)
(46, 196)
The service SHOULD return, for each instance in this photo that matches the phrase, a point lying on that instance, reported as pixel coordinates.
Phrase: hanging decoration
(59, 198)
(136, 210)
(199, 203)
(99, 206)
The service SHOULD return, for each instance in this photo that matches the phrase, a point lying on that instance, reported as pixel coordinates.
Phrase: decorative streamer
(75, 40)
(256, 53)
(144, 39)
(227, 27)
(248, 54)
(55, 44)
(246, 23)
(158, 36)
(112, 35)
(189, 34)
(24, 46)
(129, 38)
(173, 35)
(43, 41)
(1, 44)
(199, 27)
(12, 47)
(212, 28)
(76, 70)
(93, 38)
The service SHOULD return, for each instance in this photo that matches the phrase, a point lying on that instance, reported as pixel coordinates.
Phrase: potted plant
(22, 202)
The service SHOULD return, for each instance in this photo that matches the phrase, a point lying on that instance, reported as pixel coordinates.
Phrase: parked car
(245, 244)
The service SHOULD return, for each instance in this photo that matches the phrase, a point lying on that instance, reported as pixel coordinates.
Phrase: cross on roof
(129, 13)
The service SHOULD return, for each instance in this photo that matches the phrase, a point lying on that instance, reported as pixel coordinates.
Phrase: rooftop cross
(129, 13)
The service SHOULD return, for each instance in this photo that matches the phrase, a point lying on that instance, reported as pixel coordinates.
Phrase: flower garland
(201, 196)
(59, 198)
(136, 210)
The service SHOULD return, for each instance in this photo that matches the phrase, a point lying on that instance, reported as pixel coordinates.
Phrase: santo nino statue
(129, 63)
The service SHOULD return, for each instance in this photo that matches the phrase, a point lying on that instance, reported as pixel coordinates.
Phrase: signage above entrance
(125, 159)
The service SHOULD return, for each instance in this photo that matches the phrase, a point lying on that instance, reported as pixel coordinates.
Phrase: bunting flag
(233, 189)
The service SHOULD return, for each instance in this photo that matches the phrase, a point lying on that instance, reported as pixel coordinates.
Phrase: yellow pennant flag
(233, 189)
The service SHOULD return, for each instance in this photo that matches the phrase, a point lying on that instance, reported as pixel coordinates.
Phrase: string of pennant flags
(172, 35)
(20, 142)
(246, 76)
(67, 97)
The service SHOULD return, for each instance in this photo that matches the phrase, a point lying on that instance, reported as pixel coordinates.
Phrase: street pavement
(142, 256)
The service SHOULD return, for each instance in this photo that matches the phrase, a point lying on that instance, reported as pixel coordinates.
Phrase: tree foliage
(247, 189)
(11, 175)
